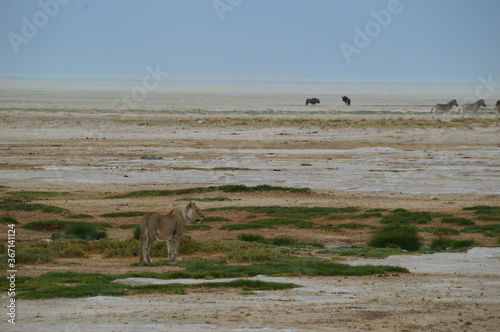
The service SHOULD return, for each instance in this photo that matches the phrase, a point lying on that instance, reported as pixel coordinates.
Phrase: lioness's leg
(148, 250)
(176, 244)
(146, 242)
(170, 248)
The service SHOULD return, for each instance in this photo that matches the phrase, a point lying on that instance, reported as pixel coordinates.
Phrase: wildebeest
(346, 100)
(497, 107)
(313, 101)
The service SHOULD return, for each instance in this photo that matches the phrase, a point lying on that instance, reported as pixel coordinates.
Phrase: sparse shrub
(35, 253)
(137, 233)
(463, 244)
(215, 218)
(124, 214)
(458, 221)
(249, 237)
(117, 248)
(82, 231)
(282, 241)
(396, 235)
(52, 225)
(254, 255)
(8, 220)
(403, 216)
(487, 230)
(441, 244)
(80, 216)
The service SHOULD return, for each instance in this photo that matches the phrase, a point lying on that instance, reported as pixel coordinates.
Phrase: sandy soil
(93, 154)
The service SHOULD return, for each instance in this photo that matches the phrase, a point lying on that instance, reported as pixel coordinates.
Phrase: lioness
(169, 227)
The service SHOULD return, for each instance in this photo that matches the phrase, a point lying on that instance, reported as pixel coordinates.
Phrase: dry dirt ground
(370, 161)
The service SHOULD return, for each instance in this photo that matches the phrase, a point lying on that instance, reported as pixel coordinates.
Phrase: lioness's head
(194, 212)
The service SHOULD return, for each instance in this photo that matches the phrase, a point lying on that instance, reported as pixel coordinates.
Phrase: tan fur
(168, 227)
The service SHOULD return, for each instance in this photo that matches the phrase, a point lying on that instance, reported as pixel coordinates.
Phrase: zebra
(472, 108)
(444, 108)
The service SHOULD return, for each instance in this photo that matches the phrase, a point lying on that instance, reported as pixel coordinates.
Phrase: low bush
(249, 237)
(124, 214)
(8, 220)
(84, 231)
(488, 230)
(402, 216)
(52, 225)
(441, 244)
(397, 236)
(463, 244)
(458, 221)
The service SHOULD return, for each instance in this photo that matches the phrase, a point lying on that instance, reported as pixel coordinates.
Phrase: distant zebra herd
(438, 108)
(464, 108)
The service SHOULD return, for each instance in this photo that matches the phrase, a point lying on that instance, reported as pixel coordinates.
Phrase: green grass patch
(80, 216)
(341, 227)
(484, 209)
(197, 227)
(367, 251)
(250, 237)
(269, 223)
(487, 230)
(377, 210)
(8, 220)
(485, 212)
(447, 244)
(84, 231)
(240, 227)
(440, 230)
(290, 211)
(55, 285)
(396, 236)
(402, 216)
(45, 252)
(353, 225)
(207, 199)
(224, 188)
(32, 195)
(215, 218)
(124, 214)
(458, 221)
(128, 226)
(231, 169)
(22, 206)
(53, 225)
(280, 241)
(282, 267)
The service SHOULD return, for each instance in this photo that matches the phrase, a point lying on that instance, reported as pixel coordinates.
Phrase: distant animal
(313, 101)
(497, 107)
(346, 100)
(471, 108)
(444, 108)
(168, 227)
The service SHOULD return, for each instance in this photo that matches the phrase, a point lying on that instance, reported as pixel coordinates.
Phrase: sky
(268, 41)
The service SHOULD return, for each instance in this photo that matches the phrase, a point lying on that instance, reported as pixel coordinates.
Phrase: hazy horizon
(279, 41)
